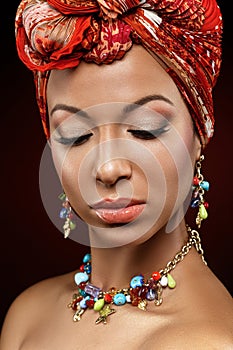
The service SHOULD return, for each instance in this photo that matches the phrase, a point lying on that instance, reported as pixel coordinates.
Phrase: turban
(184, 34)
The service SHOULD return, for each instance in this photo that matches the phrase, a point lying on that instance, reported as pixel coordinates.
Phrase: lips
(120, 211)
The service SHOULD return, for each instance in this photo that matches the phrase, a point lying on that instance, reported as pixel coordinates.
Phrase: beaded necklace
(139, 292)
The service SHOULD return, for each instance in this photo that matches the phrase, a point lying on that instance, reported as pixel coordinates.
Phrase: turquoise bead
(205, 185)
(81, 277)
(136, 281)
(82, 292)
(119, 299)
(87, 258)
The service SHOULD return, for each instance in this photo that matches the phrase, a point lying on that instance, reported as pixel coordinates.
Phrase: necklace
(139, 292)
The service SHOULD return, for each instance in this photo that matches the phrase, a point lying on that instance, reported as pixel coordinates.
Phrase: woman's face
(123, 145)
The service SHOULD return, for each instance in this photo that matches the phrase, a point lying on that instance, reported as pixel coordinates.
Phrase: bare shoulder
(27, 308)
(193, 336)
(202, 317)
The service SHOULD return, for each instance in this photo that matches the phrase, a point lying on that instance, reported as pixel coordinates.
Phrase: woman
(126, 146)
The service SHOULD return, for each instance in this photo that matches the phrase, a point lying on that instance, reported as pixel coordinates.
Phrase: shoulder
(192, 336)
(27, 309)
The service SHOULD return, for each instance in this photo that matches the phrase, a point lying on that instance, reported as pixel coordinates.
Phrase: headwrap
(185, 34)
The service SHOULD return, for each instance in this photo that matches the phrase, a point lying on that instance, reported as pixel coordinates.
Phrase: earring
(199, 188)
(66, 213)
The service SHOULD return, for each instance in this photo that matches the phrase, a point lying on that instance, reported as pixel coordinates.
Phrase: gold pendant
(104, 313)
(78, 314)
(142, 305)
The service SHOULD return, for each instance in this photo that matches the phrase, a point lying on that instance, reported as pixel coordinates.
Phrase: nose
(114, 170)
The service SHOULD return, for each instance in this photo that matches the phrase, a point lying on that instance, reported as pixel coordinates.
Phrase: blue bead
(87, 268)
(150, 295)
(63, 213)
(81, 277)
(83, 304)
(119, 299)
(82, 292)
(205, 185)
(194, 203)
(87, 258)
(136, 281)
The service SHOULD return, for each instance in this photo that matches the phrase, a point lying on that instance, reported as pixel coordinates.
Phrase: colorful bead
(81, 268)
(196, 181)
(206, 205)
(87, 268)
(83, 304)
(205, 185)
(87, 258)
(90, 303)
(63, 213)
(92, 290)
(119, 299)
(171, 281)
(136, 281)
(108, 298)
(156, 276)
(81, 277)
(195, 203)
(82, 292)
(151, 294)
(164, 281)
(72, 225)
(128, 298)
(99, 304)
(203, 212)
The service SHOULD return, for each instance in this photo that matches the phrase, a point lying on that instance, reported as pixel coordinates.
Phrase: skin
(197, 314)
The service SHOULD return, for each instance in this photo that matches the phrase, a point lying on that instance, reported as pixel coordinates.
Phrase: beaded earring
(199, 188)
(66, 213)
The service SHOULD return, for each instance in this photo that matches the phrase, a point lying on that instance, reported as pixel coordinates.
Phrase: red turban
(185, 34)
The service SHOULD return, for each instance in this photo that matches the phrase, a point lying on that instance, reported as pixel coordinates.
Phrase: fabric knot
(112, 8)
(106, 8)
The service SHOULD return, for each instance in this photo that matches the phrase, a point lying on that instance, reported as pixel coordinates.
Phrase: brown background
(31, 247)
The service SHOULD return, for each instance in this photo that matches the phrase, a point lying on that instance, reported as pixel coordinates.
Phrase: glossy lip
(119, 211)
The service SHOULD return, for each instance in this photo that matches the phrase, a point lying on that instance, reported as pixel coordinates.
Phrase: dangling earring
(199, 188)
(66, 213)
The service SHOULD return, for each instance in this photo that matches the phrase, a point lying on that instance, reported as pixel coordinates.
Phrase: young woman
(127, 139)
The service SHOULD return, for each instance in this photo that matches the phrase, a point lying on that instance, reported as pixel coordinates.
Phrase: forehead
(136, 75)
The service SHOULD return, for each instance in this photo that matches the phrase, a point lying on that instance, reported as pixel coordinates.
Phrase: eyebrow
(129, 108)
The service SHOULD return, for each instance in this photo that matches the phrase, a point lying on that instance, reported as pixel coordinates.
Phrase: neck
(114, 267)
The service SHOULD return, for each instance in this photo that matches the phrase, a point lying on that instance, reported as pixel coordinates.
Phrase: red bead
(143, 291)
(135, 301)
(206, 205)
(90, 303)
(108, 298)
(81, 268)
(134, 292)
(196, 181)
(82, 285)
(156, 276)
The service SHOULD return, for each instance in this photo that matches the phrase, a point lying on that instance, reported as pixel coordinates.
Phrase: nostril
(114, 170)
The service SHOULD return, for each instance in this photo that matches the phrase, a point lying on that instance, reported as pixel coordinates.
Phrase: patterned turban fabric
(185, 35)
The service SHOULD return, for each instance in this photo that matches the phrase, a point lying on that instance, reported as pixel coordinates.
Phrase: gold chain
(194, 239)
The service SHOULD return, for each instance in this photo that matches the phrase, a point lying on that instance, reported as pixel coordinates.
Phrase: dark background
(31, 247)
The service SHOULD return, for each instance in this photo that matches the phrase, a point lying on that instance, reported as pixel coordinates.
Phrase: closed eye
(74, 141)
(148, 134)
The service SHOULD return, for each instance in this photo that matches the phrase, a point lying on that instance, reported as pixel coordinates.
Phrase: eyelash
(140, 134)
(74, 141)
(148, 134)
